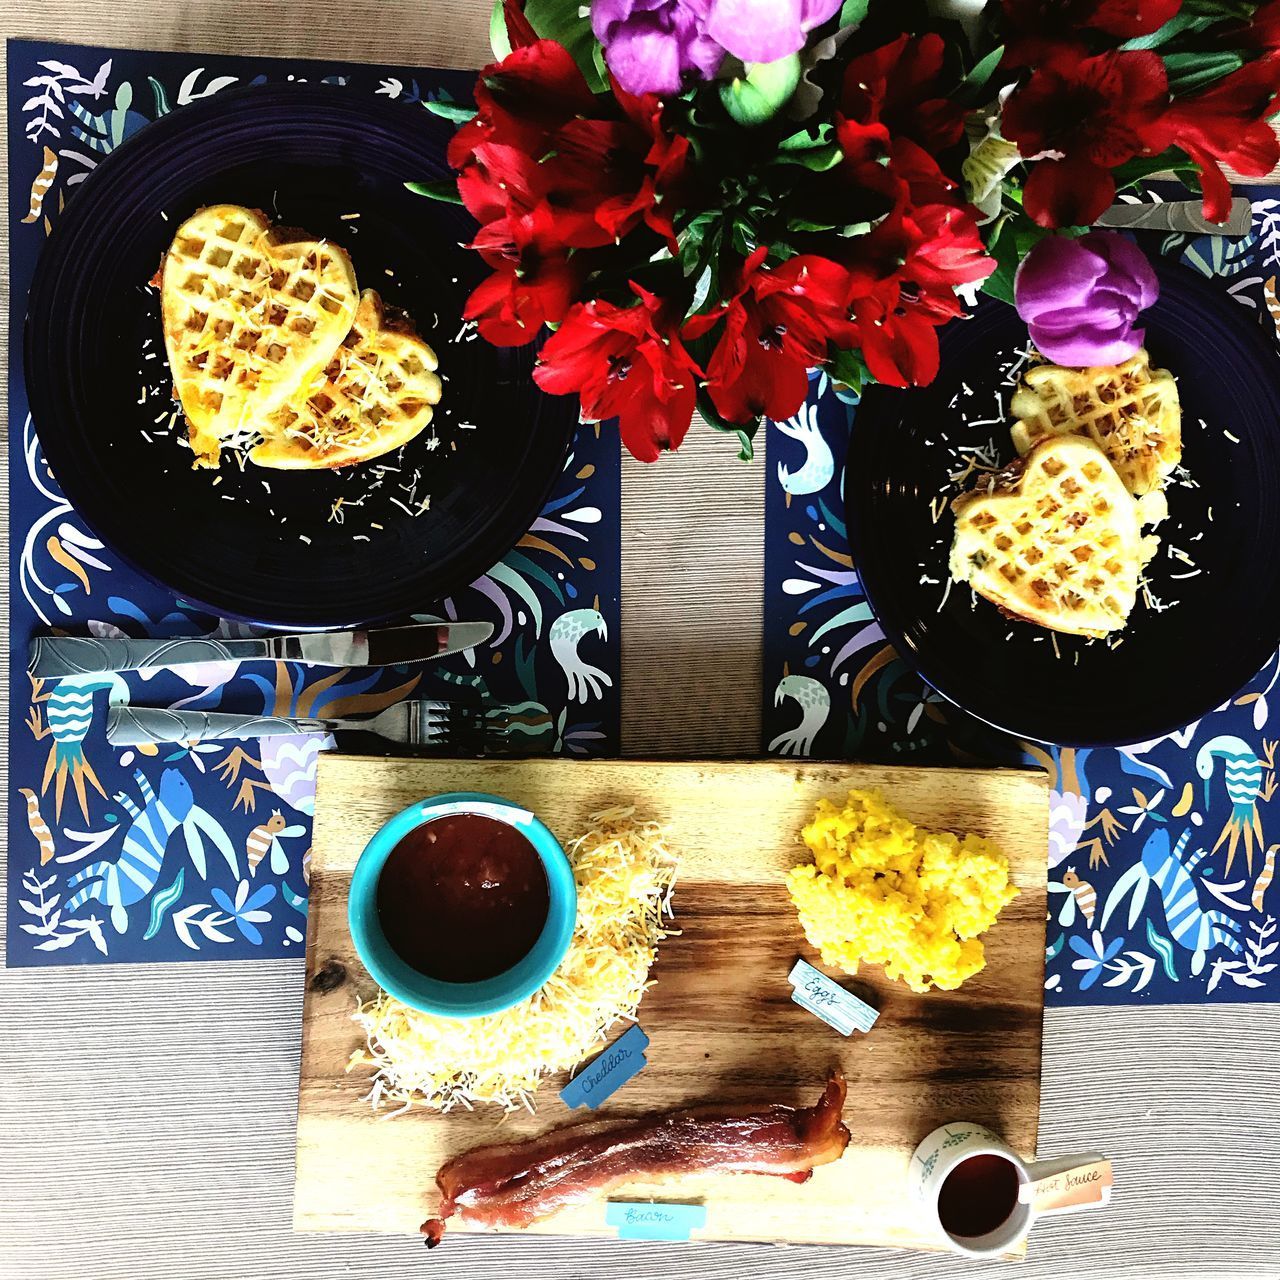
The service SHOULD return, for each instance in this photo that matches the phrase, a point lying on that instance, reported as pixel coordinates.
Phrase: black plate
(306, 155)
(1173, 665)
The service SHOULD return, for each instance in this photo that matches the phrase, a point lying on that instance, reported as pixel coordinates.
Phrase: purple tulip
(656, 46)
(1081, 297)
(765, 30)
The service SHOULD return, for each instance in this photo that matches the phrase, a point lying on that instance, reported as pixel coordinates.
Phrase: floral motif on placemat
(194, 851)
(1162, 855)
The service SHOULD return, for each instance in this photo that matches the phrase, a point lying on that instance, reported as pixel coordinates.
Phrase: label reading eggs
(829, 1001)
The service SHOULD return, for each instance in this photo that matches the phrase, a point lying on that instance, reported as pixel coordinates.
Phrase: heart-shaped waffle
(1130, 411)
(1054, 539)
(251, 313)
(376, 394)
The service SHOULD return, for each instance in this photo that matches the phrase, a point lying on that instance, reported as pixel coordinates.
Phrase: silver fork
(416, 723)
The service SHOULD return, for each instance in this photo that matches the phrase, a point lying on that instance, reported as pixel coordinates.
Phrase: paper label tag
(605, 1075)
(829, 1001)
(644, 1220)
(1089, 1184)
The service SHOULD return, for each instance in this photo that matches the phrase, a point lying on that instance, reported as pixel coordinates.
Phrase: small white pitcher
(1046, 1187)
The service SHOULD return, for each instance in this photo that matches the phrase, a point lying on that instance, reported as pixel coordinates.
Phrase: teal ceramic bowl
(462, 999)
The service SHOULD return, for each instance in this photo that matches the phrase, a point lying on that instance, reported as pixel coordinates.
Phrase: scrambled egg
(882, 891)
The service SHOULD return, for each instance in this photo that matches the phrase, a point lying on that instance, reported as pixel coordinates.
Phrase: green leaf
(971, 87)
(848, 369)
(1179, 24)
(805, 139)
(1133, 171)
(1219, 10)
(1003, 247)
(499, 40)
(819, 159)
(854, 12)
(1189, 72)
(743, 238)
(745, 431)
(701, 291)
(569, 23)
(698, 242)
(848, 229)
(767, 88)
(444, 189)
(455, 111)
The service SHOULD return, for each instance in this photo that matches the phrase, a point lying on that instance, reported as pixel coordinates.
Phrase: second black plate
(1219, 617)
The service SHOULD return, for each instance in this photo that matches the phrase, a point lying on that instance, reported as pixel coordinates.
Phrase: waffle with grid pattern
(1055, 539)
(252, 314)
(1130, 411)
(376, 394)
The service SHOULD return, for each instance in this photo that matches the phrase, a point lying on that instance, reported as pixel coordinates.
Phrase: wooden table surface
(147, 1113)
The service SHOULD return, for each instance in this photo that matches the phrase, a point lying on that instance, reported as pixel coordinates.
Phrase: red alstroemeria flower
(1095, 113)
(511, 306)
(889, 127)
(667, 157)
(1228, 123)
(534, 284)
(504, 188)
(776, 325)
(541, 139)
(617, 173)
(1041, 31)
(900, 85)
(936, 247)
(522, 100)
(902, 280)
(626, 363)
(899, 336)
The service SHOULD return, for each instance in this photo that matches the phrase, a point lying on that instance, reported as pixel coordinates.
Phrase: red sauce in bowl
(463, 898)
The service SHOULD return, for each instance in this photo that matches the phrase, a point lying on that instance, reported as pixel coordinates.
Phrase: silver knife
(56, 657)
(1179, 215)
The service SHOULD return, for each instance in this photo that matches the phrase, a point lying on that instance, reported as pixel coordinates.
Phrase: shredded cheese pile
(625, 875)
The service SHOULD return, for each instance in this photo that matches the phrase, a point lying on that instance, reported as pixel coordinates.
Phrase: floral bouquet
(705, 199)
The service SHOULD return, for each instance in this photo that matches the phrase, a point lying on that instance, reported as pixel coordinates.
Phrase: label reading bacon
(647, 1220)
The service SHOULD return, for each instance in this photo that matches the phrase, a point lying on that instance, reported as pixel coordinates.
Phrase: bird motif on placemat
(819, 464)
(68, 717)
(815, 705)
(1243, 774)
(585, 681)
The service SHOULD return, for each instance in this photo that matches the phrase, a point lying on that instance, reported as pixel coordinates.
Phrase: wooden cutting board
(722, 1025)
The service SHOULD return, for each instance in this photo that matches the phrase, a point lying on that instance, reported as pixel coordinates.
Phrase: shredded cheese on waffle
(625, 875)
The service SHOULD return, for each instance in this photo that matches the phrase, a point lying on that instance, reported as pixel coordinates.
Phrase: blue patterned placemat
(183, 854)
(1173, 840)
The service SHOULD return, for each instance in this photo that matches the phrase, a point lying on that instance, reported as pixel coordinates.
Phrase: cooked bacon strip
(511, 1185)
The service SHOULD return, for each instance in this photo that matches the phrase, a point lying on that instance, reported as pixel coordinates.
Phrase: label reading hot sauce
(1089, 1184)
(463, 898)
